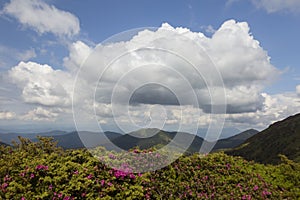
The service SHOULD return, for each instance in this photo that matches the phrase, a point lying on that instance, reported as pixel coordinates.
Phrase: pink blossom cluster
(41, 167)
(123, 171)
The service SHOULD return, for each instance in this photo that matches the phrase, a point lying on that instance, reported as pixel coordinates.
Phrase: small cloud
(230, 2)
(5, 115)
(43, 18)
(27, 55)
(298, 90)
(273, 6)
(278, 5)
(40, 114)
(208, 29)
(10, 55)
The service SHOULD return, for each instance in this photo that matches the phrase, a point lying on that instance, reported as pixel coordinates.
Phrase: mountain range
(147, 138)
(282, 137)
(143, 138)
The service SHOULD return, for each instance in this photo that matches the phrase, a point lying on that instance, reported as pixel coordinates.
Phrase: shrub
(42, 171)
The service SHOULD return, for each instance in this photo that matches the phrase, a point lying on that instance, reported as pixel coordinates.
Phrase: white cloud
(5, 115)
(41, 84)
(272, 6)
(239, 56)
(10, 55)
(244, 65)
(208, 29)
(78, 51)
(27, 55)
(42, 17)
(276, 107)
(161, 57)
(40, 114)
(298, 90)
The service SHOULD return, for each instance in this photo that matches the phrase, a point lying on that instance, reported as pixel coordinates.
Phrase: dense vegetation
(282, 137)
(40, 170)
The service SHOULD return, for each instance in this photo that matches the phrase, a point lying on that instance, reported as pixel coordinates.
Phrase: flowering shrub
(42, 171)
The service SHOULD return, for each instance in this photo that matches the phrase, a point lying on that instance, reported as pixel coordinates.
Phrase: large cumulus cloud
(41, 84)
(165, 67)
(185, 62)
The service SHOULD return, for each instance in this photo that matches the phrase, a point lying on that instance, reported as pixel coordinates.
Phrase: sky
(173, 65)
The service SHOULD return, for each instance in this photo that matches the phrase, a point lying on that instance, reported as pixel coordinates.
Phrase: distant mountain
(144, 139)
(9, 137)
(225, 132)
(235, 140)
(282, 137)
(71, 140)
(4, 144)
(84, 139)
(147, 138)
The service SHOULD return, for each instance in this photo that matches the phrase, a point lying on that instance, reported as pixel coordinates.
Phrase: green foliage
(282, 137)
(42, 171)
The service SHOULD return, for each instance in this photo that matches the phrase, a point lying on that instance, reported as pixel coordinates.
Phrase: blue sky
(74, 28)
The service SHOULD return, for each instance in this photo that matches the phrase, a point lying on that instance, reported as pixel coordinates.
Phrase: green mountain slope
(235, 140)
(282, 137)
(147, 138)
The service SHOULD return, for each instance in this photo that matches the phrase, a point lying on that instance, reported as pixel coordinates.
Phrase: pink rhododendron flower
(102, 182)
(4, 185)
(265, 193)
(90, 176)
(246, 197)
(132, 176)
(255, 188)
(228, 166)
(7, 178)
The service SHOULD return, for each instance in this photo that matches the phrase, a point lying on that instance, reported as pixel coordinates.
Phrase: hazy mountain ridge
(67, 140)
(235, 140)
(3, 144)
(282, 137)
(8, 137)
(72, 140)
(159, 139)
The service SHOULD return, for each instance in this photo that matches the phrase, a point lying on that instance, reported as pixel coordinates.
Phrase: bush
(42, 171)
